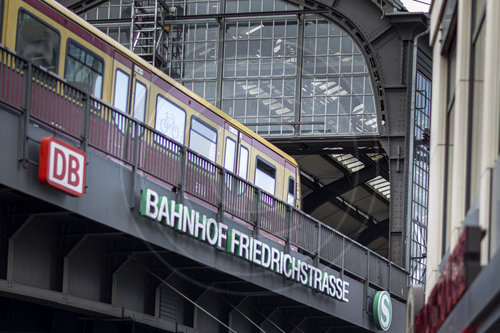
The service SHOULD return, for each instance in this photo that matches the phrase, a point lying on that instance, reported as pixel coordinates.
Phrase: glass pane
(170, 119)
(210, 90)
(343, 124)
(230, 154)
(83, 69)
(37, 41)
(203, 139)
(121, 91)
(140, 101)
(265, 177)
(243, 165)
(205, 131)
(291, 192)
(477, 113)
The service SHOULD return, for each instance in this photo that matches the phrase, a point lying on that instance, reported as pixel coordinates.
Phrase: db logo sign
(62, 166)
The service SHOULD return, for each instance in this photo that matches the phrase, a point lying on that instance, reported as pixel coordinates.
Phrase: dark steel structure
(94, 264)
(352, 143)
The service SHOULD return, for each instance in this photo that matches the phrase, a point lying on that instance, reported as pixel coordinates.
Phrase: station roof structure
(354, 180)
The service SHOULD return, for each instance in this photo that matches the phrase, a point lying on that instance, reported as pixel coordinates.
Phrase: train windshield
(84, 69)
(37, 41)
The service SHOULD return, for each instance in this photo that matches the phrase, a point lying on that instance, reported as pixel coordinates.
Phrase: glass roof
(279, 73)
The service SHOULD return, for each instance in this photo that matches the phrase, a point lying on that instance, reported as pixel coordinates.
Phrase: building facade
(462, 251)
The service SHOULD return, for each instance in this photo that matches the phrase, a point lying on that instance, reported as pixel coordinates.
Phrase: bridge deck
(125, 157)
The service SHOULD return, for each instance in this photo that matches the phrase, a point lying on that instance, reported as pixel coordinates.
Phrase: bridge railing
(42, 96)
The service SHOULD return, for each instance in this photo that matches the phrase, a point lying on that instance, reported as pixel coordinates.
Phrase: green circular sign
(382, 310)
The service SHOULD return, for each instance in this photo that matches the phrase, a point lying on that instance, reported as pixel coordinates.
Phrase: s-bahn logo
(62, 166)
(382, 310)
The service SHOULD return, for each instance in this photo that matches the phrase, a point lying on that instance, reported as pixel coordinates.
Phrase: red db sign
(62, 166)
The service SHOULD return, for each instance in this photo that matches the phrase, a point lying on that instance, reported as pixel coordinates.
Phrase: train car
(56, 39)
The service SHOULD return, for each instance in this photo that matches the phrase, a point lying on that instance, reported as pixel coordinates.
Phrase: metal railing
(42, 96)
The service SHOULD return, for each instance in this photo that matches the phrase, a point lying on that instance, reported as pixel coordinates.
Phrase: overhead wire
(245, 316)
(422, 2)
(205, 311)
(181, 294)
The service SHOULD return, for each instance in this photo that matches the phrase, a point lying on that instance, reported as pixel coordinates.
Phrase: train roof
(132, 56)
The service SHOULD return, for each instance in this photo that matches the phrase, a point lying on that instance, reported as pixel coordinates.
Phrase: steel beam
(312, 201)
(373, 232)
(353, 213)
(82, 6)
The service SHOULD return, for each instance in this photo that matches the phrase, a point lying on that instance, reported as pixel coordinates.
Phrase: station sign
(217, 234)
(62, 166)
(382, 310)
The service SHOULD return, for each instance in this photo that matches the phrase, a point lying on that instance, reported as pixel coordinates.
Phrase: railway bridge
(161, 239)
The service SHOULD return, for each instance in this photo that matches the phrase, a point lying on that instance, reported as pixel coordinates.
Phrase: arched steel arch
(386, 38)
(385, 34)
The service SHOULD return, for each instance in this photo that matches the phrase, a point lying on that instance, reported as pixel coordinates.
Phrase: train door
(230, 148)
(140, 94)
(236, 152)
(239, 192)
(290, 184)
(130, 92)
(122, 86)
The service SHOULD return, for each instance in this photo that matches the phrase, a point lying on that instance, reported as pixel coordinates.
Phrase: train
(52, 37)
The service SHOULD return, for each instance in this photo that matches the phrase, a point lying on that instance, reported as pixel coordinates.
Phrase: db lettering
(65, 169)
(62, 166)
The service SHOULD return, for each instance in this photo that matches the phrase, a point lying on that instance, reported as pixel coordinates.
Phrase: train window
(203, 139)
(291, 192)
(84, 69)
(140, 101)
(37, 41)
(170, 119)
(243, 165)
(265, 176)
(121, 91)
(229, 154)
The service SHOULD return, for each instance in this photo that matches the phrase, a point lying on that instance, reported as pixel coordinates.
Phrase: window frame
(127, 94)
(260, 159)
(58, 53)
(98, 57)
(235, 151)
(477, 27)
(239, 162)
(449, 142)
(135, 101)
(158, 96)
(194, 118)
(294, 189)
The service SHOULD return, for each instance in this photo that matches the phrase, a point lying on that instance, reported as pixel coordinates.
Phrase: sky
(416, 6)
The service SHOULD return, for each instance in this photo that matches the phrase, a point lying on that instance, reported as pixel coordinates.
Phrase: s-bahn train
(56, 39)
